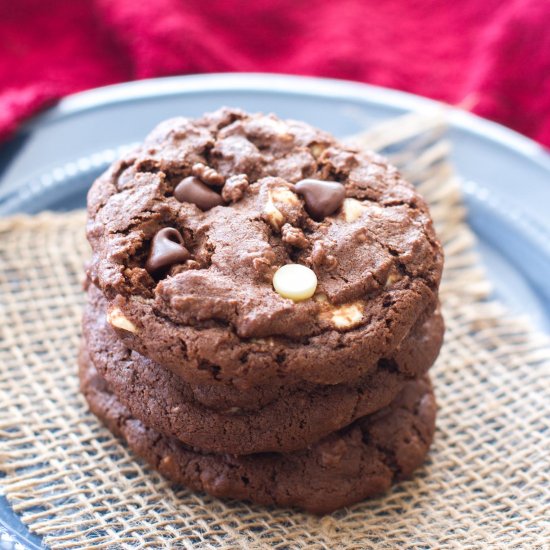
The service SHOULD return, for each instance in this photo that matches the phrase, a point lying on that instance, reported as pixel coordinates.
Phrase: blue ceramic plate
(52, 161)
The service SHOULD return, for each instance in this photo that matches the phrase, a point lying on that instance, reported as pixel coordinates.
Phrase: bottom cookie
(360, 461)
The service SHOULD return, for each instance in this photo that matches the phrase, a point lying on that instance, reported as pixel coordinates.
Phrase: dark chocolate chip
(322, 198)
(167, 249)
(192, 190)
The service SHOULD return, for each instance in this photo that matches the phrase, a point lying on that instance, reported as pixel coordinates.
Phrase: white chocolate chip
(278, 127)
(280, 195)
(347, 316)
(273, 214)
(295, 281)
(317, 149)
(284, 195)
(393, 277)
(116, 319)
(344, 317)
(352, 209)
(264, 341)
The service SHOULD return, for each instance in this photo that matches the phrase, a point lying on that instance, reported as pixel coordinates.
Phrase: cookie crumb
(321, 258)
(332, 456)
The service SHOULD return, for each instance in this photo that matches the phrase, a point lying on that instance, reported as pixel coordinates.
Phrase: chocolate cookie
(411, 359)
(360, 461)
(189, 230)
(295, 419)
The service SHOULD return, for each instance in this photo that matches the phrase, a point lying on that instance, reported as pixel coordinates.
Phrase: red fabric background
(488, 56)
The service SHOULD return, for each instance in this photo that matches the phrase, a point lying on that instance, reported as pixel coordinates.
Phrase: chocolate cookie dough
(360, 461)
(188, 230)
(293, 420)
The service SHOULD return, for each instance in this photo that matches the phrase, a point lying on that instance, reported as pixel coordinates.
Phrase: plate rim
(279, 82)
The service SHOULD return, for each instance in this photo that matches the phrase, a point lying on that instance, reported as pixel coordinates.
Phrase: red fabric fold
(491, 57)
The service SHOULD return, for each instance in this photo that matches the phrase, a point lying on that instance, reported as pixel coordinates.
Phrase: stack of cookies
(262, 311)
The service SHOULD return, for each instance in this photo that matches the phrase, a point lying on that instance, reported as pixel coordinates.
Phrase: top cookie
(189, 230)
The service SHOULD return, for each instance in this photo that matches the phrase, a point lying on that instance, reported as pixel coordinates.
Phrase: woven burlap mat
(486, 482)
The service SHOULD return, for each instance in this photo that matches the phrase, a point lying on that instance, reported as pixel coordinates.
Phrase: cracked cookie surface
(208, 417)
(348, 466)
(238, 196)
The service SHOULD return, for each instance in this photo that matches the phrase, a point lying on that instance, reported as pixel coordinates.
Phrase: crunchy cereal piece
(294, 236)
(235, 188)
(207, 174)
